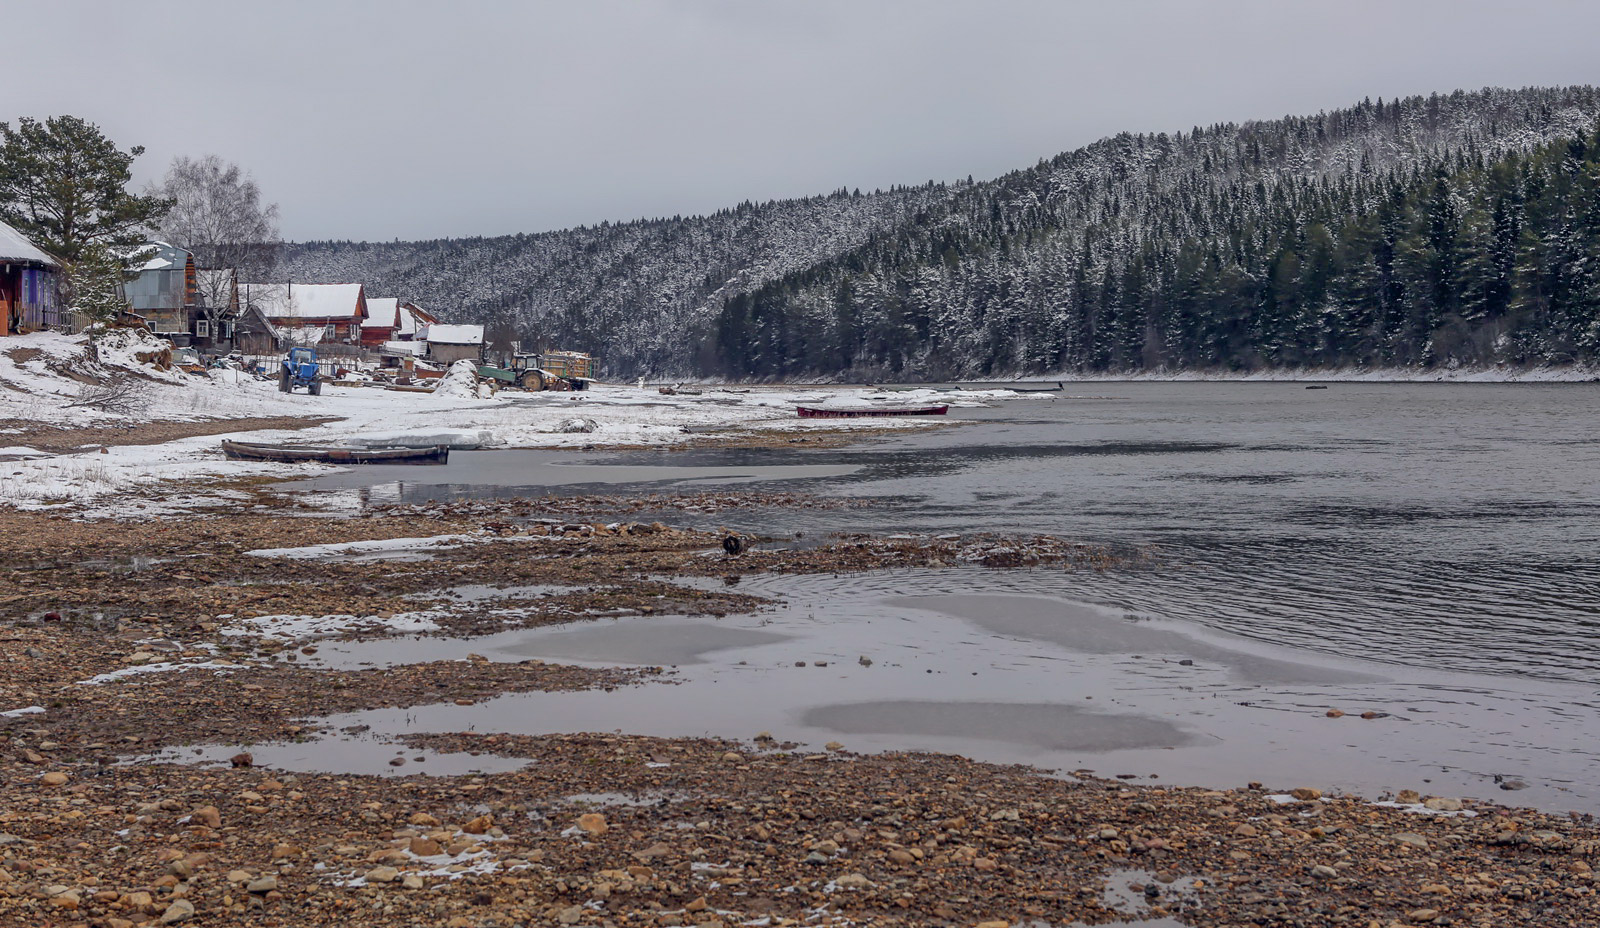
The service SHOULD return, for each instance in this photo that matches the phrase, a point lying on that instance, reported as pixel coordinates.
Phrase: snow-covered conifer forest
(1426, 231)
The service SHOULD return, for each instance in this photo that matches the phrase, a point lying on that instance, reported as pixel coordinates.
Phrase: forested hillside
(628, 292)
(1425, 231)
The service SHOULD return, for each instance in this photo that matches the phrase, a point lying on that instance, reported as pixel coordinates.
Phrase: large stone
(593, 823)
(382, 875)
(1443, 804)
(55, 778)
(1413, 839)
(179, 910)
(424, 847)
(265, 884)
(1306, 794)
(853, 881)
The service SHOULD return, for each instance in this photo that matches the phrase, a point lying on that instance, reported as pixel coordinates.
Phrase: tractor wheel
(533, 381)
(314, 388)
(283, 381)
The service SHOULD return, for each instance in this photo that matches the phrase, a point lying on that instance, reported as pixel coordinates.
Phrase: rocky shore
(121, 640)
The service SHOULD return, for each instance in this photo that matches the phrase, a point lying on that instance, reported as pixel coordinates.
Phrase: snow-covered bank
(44, 379)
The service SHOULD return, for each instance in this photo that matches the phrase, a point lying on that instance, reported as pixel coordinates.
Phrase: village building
(450, 343)
(30, 282)
(382, 322)
(412, 319)
(326, 314)
(164, 292)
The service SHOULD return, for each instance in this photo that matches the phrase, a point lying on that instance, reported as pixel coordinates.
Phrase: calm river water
(1428, 551)
(1453, 526)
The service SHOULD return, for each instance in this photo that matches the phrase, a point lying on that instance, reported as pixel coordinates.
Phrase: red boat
(860, 412)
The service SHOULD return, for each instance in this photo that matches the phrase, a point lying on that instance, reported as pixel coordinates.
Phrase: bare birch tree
(217, 213)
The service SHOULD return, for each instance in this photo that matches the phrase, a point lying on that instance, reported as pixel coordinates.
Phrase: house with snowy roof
(382, 322)
(450, 343)
(338, 310)
(30, 282)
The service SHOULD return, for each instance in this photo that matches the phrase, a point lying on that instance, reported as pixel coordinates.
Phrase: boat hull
(291, 454)
(863, 412)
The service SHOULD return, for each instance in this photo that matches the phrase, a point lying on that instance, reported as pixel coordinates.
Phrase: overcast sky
(441, 118)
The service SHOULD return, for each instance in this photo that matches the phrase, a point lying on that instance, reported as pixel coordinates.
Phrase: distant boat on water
(861, 412)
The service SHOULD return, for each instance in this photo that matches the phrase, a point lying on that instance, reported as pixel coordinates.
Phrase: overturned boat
(323, 454)
(861, 412)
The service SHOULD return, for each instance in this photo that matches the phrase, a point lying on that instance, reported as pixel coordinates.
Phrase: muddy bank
(64, 439)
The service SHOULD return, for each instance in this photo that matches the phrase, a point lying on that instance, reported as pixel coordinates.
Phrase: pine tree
(65, 185)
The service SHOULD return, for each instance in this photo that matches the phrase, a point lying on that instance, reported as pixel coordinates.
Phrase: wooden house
(30, 285)
(382, 322)
(450, 343)
(338, 310)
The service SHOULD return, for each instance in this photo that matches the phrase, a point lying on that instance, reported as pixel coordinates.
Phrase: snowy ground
(35, 388)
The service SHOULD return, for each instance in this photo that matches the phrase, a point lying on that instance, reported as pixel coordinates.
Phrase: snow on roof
(382, 313)
(402, 348)
(453, 334)
(304, 301)
(13, 247)
(409, 321)
(159, 256)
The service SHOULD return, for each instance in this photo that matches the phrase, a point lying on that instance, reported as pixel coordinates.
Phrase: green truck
(549, 370)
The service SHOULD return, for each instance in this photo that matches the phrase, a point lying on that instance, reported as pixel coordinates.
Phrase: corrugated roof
(304, 301)
(382, 313)
(453, 334)
(13, 247)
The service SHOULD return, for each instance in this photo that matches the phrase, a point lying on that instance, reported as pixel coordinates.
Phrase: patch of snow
(299, 627)
(1417, 808)
(18, 713)
(164, 667)
(367, 550)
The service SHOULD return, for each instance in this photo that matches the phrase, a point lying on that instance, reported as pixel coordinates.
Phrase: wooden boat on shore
(862, 412)
(322, 454)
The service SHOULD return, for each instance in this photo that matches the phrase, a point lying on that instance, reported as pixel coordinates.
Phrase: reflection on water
(1002, 666)
(1440, 525)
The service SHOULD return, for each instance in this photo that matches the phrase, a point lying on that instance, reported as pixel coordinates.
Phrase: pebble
(179, 910)
(382, 875)
(266, 884)
(1413, 839)
(1324, 872)
(55, 778)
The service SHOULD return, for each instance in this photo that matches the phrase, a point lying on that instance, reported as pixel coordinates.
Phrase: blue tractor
(299, 369)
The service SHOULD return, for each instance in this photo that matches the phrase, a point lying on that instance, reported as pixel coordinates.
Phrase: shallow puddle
(1007, 667)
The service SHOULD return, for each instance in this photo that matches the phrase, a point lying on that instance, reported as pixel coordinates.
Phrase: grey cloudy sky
(434, 118)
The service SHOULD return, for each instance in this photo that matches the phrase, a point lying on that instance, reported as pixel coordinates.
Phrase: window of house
(331, 332)
(202, 328)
